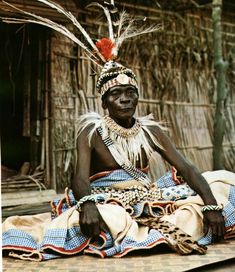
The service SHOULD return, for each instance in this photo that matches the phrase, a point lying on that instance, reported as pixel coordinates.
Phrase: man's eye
(131, 91)
(115, 93)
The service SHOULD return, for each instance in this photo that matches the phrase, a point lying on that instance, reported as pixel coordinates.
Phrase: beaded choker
(121, 131)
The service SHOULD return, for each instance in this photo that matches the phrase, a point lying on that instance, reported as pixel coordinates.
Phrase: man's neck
(126, 123)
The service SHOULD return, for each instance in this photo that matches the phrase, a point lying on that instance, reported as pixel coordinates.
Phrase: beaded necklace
(131, 143)
(121, 131)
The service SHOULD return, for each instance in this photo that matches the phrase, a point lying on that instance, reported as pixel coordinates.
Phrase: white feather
(57, 27)
(91, 120)
(131, 31)
(108, 16)
(73, 19)
(130, 147)
(62, 29)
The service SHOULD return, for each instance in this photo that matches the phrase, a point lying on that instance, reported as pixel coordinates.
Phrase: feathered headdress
(104, 51)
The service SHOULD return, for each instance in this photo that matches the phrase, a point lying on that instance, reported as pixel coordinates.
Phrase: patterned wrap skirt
(137, 218)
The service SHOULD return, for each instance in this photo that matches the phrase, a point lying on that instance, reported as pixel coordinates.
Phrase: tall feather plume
(108, 16)
(123, 19)
(114, 15)
(55, 26)
(59, 28)
(73, 19)
(107, 46)
(127, 29)
(125, 24)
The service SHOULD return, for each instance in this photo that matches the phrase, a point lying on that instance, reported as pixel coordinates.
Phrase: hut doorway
(21, 76)
(15, 146)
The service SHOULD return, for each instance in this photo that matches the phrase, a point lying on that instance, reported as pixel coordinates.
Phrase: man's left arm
(212, 219)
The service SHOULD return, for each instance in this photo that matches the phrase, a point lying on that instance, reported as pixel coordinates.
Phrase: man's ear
(104, 104)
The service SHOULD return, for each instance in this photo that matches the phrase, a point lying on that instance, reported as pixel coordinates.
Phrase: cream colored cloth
(188, 217)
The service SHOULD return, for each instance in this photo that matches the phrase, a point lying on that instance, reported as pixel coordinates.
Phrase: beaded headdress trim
(116, 82)
(106, 73)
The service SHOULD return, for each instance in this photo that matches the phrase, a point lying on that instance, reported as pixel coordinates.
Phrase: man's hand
(90, 220)
(215, 221)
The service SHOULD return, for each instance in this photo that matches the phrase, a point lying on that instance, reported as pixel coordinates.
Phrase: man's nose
(124, 98)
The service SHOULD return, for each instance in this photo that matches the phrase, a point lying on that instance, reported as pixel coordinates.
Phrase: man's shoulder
(150, 123)
(90, 119)
(88, 124)
(154, 130)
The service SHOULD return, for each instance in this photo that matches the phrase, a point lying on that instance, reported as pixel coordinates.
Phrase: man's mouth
(126, 109)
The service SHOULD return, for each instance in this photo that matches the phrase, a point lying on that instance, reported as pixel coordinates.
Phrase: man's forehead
(121, 88)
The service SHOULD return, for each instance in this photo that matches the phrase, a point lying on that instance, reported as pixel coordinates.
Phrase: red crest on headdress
(106, 48)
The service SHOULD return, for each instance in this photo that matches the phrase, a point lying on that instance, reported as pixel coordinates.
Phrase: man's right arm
(90, 220)
(80, 183)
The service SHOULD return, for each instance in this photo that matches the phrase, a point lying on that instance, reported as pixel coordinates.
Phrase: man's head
(121, 101)
(119, 89)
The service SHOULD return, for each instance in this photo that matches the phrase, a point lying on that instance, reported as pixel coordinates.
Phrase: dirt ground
(219, 258)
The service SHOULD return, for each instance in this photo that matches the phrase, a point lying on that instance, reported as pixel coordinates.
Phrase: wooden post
(27, 92)
(221, 68)
(50, 180)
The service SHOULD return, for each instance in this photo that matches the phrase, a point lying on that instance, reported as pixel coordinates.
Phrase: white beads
(85, 199)
(131, 195)
(211, 208)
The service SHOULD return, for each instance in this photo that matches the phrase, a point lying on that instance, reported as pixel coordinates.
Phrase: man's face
(121, 101)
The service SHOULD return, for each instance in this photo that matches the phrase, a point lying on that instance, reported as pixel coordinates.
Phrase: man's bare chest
(102, 159)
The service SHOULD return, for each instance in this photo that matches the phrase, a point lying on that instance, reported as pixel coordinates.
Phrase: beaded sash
(124, 162)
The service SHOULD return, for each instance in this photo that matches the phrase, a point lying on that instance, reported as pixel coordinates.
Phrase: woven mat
(164, 261)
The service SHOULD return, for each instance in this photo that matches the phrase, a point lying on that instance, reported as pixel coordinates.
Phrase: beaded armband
(211, 208)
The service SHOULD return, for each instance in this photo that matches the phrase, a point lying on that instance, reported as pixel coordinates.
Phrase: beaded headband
(110, 77)
(121, 79)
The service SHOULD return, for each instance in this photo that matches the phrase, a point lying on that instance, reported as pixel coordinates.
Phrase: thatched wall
(64, 107)
(176, 78)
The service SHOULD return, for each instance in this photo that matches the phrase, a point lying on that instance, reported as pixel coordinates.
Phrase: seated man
(114, 207)
(135, 140)
(120, 141)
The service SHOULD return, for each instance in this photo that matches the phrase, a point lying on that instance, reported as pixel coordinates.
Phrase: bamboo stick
(27, 90)
(42, 160)
(75, 133)
(221, 68)
(48, 179)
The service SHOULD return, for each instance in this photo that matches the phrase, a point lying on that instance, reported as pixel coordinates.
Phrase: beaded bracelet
(85, 199)
(211, 208)
(93, 198)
